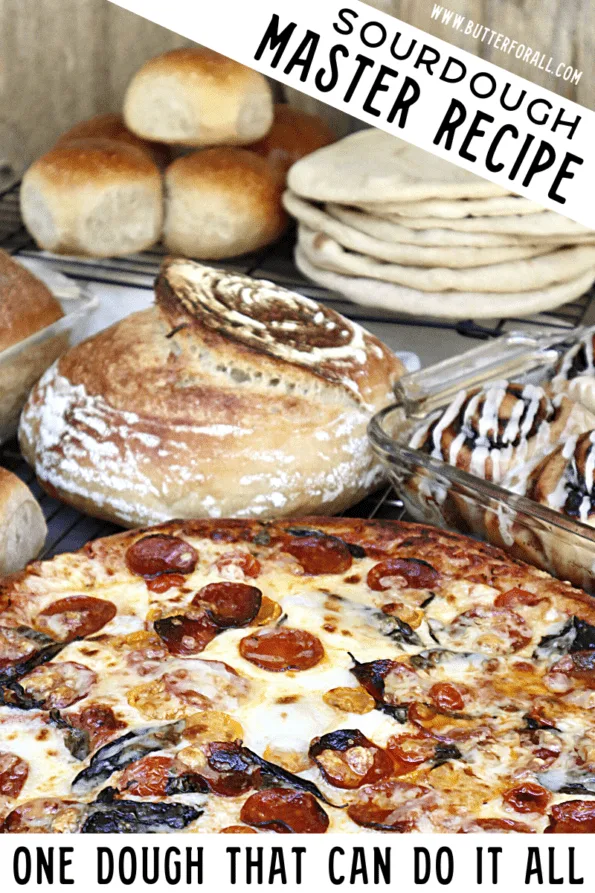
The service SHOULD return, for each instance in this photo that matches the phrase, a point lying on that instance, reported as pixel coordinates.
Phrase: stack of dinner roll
(198, 158)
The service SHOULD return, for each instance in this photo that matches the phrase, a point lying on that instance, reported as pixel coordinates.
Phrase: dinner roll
(22, 525)
(96, 197)
(112, 127)
(196, 97)
(220, 203)
(294, 134)
(26, 303)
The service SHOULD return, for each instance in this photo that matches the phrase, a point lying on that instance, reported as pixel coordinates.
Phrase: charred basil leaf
(371, 676)
(14, 695)
(125, 750)
(574, 781)
(445, 752)
(341, 740)
(575, 635)
(186, 784)
(263, 538)
(76, 740)
(20, 669)
(532, 724)
(271, 774)
(399, 631)
(137, 817)
(436, 657)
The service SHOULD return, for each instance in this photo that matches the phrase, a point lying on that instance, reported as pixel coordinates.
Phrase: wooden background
(64, 60)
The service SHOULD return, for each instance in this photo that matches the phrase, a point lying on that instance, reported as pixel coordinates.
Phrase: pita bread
(389, 231)
(373, 166)
(512, 276)
(444, 305)
(544, 224)
(499, 206)
(396, 229)
(419, 256)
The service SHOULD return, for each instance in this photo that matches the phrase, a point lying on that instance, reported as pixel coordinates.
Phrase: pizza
(313, 676)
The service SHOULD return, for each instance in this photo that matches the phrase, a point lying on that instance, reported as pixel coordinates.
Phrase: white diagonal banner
(409, 83)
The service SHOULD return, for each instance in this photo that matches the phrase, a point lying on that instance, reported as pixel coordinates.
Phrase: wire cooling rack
(68, 529)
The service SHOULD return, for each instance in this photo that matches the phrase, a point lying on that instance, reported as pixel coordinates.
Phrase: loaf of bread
(26, 303)
(94, 197)
(230, 397)
(195, 97)
(222, 202)
(112, 127)
(26, 307)
(22, 525)
(293, 135)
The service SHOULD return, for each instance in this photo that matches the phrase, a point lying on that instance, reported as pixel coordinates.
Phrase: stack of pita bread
(387, 224)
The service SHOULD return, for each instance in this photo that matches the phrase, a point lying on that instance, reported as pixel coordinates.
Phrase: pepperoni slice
(230, 604)
(491, 630)
(165, 582)
(185, 635)
(408, 752)
(284, 811)
(59, 685)
(237, 829)
(517, 596)
(38, 816)
(282, 649)
(100, 723)
(248, 564)
(347, 759)
(572, 817)
(390, 805)
(160, 554)
(409, 573)
(496, 826)
(75, 617)
(13, 774)
(147, 777)
(446, 696)
(320, 554)
(528, 797)
(14, 646)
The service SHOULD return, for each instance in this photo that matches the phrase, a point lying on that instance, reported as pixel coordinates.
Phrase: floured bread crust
(308, 676)
(229, 397)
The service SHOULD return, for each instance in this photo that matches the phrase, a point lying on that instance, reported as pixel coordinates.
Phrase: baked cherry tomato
(160, 554)
(407, 573)
(75, 617)
(282, 649)
(320, 554)
(147, 777)
(284, 811)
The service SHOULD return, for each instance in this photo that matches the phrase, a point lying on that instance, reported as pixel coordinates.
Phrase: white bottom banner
(222, 862)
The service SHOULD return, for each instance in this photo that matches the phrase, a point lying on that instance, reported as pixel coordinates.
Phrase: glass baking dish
(23, 363)
(437, 493)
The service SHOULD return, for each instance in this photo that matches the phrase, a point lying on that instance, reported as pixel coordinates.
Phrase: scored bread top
(26, 303)
(260, 317)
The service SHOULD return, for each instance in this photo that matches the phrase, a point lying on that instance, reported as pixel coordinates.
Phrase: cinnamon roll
(489, 431)
(564, 480)
(575, 374)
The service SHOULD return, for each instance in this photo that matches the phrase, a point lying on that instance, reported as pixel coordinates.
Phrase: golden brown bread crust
(293, 135)
(194, 408)
(95, 161)
(453, 555)
(112, 127)
(26, 304)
